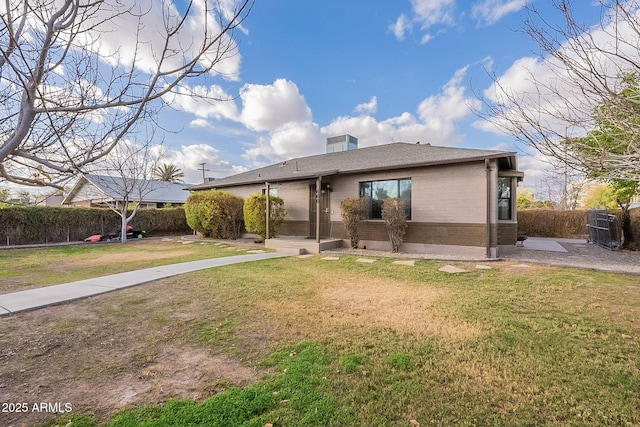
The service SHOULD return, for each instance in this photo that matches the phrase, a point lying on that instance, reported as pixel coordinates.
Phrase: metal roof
(397, 155)
(154, 191)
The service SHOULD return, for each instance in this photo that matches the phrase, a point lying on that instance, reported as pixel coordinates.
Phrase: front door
(325, 211)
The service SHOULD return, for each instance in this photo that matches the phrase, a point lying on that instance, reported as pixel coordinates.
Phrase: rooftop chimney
(341, 143)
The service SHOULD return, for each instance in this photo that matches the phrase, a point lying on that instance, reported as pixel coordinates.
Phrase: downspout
(487, 164)
(318, 195)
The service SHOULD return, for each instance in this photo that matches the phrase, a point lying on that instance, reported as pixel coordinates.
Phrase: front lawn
(342, 343)
(21, 269)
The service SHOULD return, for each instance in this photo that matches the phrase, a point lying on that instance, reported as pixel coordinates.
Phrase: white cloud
(200, 123)
(548, 93)
(435, 122)
(488, 12)
(286, 142)
(425, 14)
(368, 107)
(451, 104)
(204, 102)
(432, 12)
(400, 27)
(123, 38)
(269, 107)
(189, 158)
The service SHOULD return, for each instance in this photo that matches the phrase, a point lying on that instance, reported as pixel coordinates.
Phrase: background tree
(126, 173)
(168, 172)
(617, 122)
(70, 92)
(580, 69)
(600, 196)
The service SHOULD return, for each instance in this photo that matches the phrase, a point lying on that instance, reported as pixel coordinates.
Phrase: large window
(375, 192)
(505, 202)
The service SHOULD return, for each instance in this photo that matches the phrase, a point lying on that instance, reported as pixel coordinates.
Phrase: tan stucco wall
(453, 193)
(449, 194)
(295, 195)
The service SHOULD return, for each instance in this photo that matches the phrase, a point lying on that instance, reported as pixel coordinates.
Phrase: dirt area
(69, 358)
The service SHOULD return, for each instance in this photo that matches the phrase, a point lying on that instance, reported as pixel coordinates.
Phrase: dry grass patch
(22, 269)
(390, 344)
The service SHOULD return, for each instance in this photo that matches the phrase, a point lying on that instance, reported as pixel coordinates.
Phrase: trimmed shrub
(26, 225)
(255, 210)
(215, 214)
(567, 224)
(353, 211)
(395, 219)
(552, 223)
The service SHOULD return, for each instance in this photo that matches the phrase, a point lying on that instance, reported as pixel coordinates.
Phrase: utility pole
(203, 171)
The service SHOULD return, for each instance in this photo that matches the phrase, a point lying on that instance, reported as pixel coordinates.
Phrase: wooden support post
(268, 209)
(318, 196)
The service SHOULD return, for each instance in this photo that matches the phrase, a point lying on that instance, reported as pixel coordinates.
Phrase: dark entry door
(325, 210)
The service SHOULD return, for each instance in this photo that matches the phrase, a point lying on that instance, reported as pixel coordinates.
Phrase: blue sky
(382, 71)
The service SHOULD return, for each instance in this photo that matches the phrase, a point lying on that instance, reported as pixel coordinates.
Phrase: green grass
(381, 344)
(23, 268)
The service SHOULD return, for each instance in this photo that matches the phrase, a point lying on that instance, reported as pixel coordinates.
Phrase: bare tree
(125, 175)
(69, 94)
(576, 82)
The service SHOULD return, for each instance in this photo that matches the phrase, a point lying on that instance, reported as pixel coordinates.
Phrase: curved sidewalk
(32, 299)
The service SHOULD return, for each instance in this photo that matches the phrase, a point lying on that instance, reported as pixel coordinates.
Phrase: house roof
(397, 155)
(110, 186)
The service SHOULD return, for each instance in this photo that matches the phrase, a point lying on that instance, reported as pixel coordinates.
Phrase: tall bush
(353, 211)
(215, 214)
(395, 220)
(255, 210)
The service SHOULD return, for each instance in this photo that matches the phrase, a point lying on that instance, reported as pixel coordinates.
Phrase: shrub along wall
(566, 224)
(34, 225)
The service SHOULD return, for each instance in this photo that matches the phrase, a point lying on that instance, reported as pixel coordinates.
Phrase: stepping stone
(483, 267)
(366, 260)
(451, 269)
(330, 258)
(188, 242)
(521, 266)
(409, 263)
(305, 256)
(256, 251)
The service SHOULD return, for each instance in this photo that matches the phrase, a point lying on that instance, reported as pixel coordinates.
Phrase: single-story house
(459, 201)
(100, 190)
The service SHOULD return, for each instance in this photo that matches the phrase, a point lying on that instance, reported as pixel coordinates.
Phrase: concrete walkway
(32, 299)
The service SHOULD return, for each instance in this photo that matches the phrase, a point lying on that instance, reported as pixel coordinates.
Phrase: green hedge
(565, 224)
(34, 225)
(215, 213)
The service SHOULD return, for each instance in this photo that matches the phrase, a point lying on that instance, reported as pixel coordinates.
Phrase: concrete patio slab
(452, 269)
(543, 244)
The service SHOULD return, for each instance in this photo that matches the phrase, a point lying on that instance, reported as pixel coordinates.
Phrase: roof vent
(341, 143)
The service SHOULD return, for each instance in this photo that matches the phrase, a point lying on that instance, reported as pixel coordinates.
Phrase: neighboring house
(100, 190)
(459, 201)
(49, 199)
